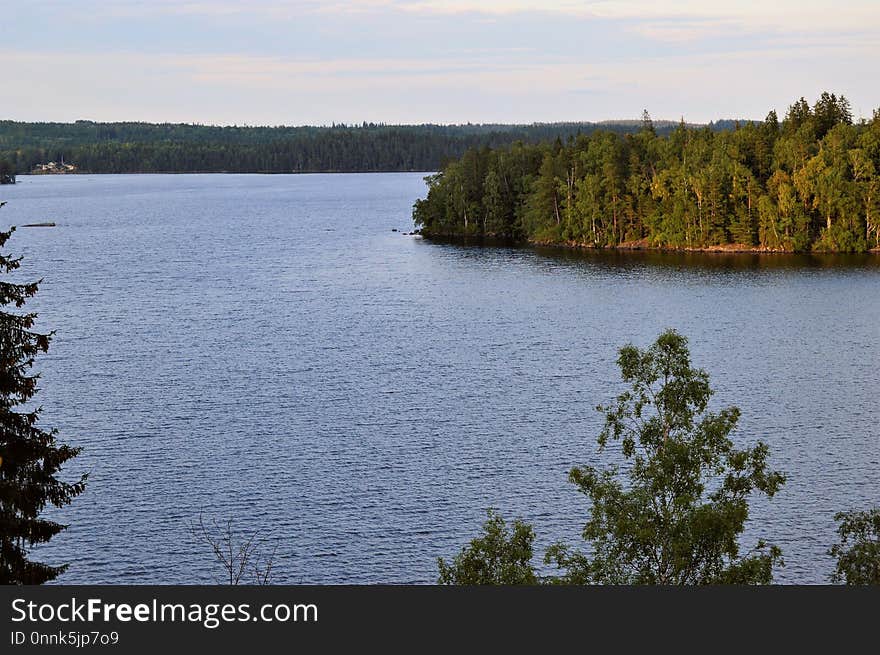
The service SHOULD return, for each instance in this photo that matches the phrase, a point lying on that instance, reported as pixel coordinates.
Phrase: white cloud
(273, 90)
(673, 21)
(702, 59)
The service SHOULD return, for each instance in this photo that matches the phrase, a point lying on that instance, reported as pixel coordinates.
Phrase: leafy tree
(500, 557)
(675, 514)
(858, 552)
(30, 457)
(545, 207)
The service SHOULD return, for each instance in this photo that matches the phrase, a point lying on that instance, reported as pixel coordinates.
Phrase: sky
(280, 62)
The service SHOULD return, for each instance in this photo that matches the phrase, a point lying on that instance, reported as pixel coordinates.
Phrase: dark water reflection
(715, 261)
(267, 349)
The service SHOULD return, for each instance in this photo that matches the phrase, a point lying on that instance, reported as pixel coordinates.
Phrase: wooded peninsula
(808, 183)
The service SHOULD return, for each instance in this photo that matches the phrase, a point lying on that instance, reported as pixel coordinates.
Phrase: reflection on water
(716, 261)
(733, 261)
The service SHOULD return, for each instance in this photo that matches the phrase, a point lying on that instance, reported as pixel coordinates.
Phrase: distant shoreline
(318, 172)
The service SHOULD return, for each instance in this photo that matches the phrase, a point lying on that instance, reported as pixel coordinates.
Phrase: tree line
(184, 148)
(808, 182)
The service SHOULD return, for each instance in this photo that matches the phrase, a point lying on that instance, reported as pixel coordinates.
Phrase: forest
(808, 182)
(184, 148)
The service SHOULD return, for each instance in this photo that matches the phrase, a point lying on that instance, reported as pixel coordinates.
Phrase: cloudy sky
(397, 61)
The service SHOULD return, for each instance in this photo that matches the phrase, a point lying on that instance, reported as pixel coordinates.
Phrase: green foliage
(178, 148)
(30, 458)
(675, 514)
(809, 183)
(858, 552)
(500, 557)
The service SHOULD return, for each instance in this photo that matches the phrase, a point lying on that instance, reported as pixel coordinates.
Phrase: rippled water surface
(265, 349)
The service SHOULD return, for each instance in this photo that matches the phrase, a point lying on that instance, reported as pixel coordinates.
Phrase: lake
(266, 350)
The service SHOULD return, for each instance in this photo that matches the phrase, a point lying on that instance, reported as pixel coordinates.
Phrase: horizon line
(362, 124)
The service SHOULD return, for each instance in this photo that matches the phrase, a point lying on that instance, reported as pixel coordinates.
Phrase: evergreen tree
(30, 457)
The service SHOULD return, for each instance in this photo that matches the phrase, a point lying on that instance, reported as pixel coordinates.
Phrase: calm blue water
(265, 349)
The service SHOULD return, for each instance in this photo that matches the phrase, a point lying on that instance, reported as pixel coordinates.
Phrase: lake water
(264, 349)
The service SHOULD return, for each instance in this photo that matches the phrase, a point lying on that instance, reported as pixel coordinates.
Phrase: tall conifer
(30, 457)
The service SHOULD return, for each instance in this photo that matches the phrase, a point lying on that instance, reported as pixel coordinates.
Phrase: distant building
(54, 168)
